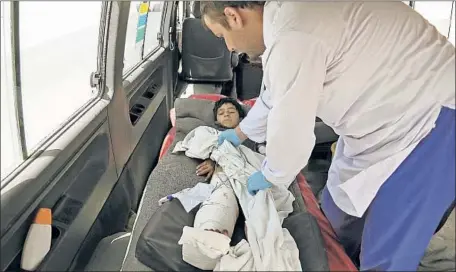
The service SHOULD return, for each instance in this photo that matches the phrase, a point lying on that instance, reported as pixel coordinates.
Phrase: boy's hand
(206, 168)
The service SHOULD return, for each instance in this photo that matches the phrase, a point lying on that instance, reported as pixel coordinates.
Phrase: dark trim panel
(17, 92)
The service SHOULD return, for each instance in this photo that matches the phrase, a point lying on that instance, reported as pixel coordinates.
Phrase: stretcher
(337, 259)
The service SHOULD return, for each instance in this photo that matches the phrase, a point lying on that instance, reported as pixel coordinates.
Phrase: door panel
(70, 175)
(145, 155)
(94, 177)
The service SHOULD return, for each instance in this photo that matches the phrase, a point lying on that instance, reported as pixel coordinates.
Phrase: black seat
(249, 75)
(205, 58)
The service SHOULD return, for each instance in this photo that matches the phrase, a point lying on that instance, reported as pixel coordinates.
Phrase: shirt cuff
(274, 176)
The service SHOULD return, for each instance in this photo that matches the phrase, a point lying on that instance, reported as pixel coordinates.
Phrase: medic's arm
(295, 72)
(255, 123)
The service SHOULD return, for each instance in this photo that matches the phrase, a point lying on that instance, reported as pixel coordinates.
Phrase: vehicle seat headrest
(196, 9)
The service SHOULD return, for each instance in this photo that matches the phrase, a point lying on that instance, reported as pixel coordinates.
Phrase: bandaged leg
(206, 243)
(221, 210)
(269, 247)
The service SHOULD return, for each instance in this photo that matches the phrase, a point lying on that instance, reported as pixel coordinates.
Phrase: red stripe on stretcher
(211, 97)
(167, 142)
(337, 258)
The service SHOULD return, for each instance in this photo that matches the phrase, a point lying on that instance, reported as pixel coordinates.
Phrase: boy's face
(228, 116)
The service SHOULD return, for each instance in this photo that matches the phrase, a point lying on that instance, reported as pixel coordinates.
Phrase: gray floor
(109, 254)
(145, 211)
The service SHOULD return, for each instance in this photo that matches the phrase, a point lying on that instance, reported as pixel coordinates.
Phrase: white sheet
(270, 247)
(191, 197)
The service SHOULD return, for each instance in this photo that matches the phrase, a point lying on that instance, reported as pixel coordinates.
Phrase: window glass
(437, 13)
(154, 18)
(58, 46)
(144, 22)
(132, 54)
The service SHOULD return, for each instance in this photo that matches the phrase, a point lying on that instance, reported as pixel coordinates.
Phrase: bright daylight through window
(57, 45)
(144, 22)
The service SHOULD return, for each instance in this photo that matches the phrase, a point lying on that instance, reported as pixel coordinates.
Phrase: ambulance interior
(102, 172)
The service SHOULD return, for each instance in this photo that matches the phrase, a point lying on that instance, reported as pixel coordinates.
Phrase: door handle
(172, 46)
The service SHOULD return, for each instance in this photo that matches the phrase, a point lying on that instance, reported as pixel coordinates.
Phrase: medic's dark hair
(231, 101)
(216, 9)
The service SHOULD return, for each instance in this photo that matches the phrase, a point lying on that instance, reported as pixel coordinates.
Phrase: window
(437, 13)
(57, 49)
(144, 24)
(10, 148)
(154, 19)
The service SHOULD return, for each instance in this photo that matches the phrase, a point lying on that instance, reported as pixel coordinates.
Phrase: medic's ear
(233, 17)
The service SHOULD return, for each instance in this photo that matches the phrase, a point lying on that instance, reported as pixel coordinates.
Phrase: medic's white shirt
(376, 72)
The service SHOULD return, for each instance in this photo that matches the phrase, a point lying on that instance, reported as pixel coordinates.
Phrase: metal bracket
(95, 79)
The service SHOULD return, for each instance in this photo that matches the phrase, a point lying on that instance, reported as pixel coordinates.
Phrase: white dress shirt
(376, 72)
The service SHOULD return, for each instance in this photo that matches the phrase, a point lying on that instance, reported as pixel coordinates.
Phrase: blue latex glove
(229, 135)
(257, 182)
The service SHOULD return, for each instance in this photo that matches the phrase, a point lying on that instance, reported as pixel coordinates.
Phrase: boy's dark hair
(231, 101)
(215, 9)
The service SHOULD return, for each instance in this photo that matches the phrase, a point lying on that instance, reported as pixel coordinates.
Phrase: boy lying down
(228, 113)
(206, 245)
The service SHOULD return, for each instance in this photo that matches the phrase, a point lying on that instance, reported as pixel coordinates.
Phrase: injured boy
(228, 113)
(206, 245)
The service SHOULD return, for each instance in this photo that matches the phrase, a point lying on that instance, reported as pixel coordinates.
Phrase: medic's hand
(229, 135)
(257, 182)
